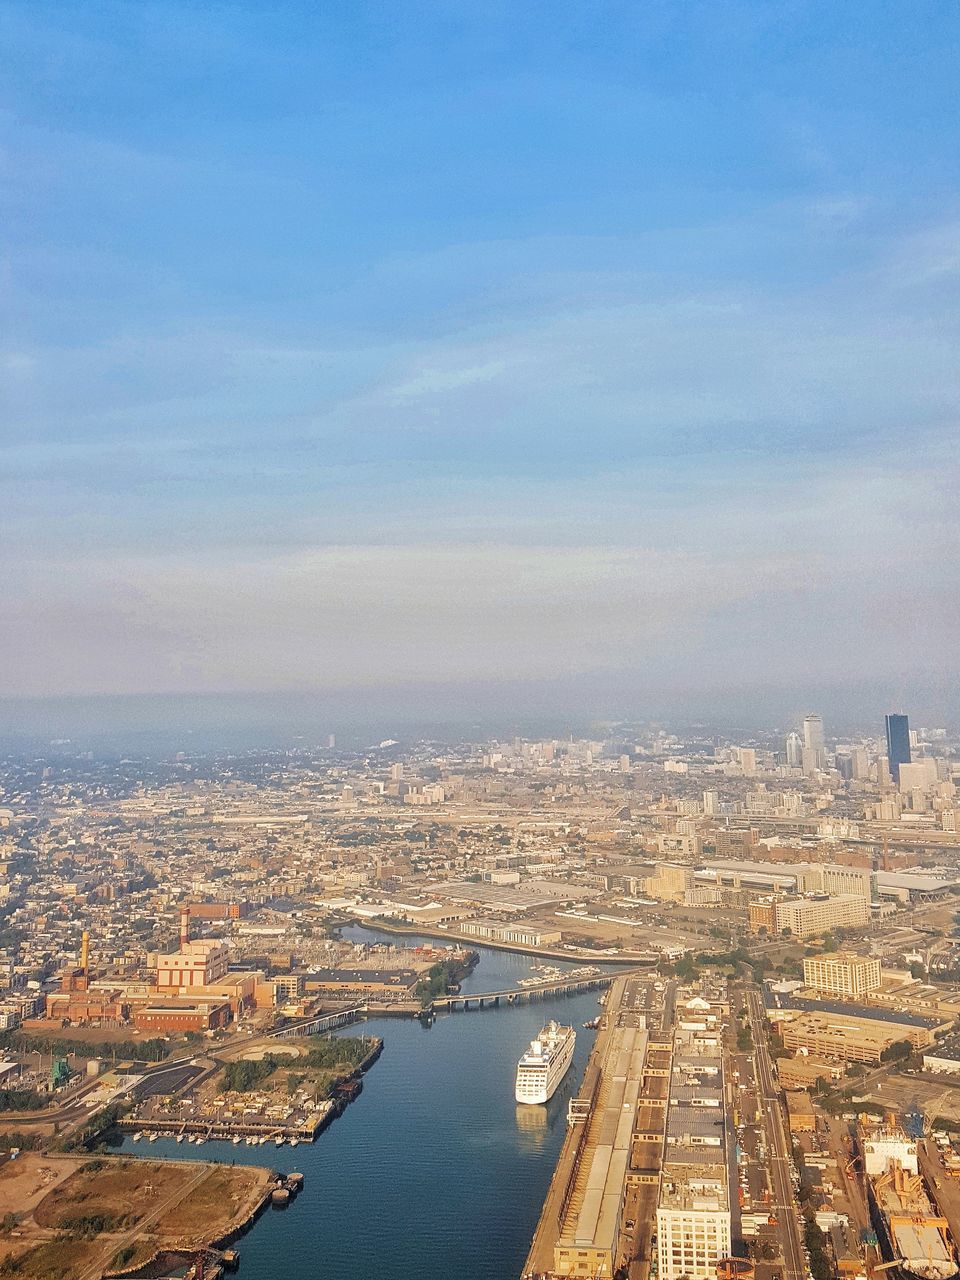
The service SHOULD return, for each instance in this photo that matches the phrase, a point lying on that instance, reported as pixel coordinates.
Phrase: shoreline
(626, 959)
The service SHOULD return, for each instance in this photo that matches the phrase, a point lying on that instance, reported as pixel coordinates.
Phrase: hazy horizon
(450, 713)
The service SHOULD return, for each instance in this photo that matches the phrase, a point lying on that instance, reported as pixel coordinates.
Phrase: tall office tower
(813, 741)
(898, 743)
(861, 763)
(794, 751)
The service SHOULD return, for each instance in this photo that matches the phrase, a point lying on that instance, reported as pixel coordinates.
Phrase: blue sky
(354, 344)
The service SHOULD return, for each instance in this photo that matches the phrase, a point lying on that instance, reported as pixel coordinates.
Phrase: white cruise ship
(545, 1063)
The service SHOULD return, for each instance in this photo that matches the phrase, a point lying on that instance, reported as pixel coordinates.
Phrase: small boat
(179, 1137)
(138, 1136)
(279, 1140)
(294, 1142)
(152, 1137)
(236, 1139)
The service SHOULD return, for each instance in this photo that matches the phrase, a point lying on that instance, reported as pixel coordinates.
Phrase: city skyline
(476, 351)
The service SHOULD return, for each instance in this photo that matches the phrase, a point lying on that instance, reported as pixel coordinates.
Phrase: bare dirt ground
(26, 1181)
(74, 1216)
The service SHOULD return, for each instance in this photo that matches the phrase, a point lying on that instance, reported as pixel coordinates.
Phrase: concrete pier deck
(602, 1197)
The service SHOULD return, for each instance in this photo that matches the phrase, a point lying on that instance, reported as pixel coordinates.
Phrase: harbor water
(434, 1171)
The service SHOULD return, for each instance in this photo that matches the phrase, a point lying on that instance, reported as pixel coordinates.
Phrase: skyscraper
(794, 751)
(898, 743)
(814, 747)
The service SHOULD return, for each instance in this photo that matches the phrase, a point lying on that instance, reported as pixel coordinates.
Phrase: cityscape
(204, 954)
(479, 620)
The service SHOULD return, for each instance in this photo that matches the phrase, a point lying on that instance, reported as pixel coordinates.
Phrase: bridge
(493, 999)
(442, 1004)
(326, 1022)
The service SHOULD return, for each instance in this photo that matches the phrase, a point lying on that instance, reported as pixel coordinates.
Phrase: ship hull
(536, 1090)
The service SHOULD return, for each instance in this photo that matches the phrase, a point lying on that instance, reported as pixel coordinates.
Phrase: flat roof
(343, 977)
(864, 1013)
(595, 1224)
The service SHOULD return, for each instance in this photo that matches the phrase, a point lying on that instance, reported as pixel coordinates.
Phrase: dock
(603, 1193)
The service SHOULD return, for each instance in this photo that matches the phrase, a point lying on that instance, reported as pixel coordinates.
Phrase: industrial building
(589, 1237)
(196, 964)
(524, 935)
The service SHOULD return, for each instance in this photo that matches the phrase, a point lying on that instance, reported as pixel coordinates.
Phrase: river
(434, 1173)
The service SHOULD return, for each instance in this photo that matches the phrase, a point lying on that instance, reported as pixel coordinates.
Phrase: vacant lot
(74, 1214)
(109, 1195)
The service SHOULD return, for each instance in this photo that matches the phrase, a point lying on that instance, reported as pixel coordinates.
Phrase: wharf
(214, 1129)
(603, 1192)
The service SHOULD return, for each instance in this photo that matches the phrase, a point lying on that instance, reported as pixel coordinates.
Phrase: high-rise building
(794, 751)
(815, 750)
(806, 917)
(843, 975)
(898, 743)
(861, 763)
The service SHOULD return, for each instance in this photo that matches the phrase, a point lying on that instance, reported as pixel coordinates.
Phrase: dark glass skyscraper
(898, 744)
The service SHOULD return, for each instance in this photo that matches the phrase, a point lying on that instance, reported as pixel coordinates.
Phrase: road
(779, 1158)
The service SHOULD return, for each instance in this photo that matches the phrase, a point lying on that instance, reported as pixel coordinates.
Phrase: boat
(913, 1234)
(294, 1142)
(545, 1063)
(279, 1140)
(591, 1025)
(236, 1139)
(179, 1137)
(138, 1136)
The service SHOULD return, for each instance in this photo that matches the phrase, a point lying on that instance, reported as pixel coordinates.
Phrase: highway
(779, 1159)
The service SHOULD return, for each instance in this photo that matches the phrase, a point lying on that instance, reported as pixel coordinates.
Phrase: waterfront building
(522, 935)
(589, 1238)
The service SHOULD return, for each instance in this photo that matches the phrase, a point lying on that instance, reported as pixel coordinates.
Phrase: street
(779, 1158)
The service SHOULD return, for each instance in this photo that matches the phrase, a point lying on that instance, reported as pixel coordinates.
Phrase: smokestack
(184, 926)
(85, 953)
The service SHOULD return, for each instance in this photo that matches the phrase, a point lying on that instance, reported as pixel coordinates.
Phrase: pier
(597, 1213)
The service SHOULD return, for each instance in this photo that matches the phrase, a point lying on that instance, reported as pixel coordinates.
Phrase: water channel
(434, 1173)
